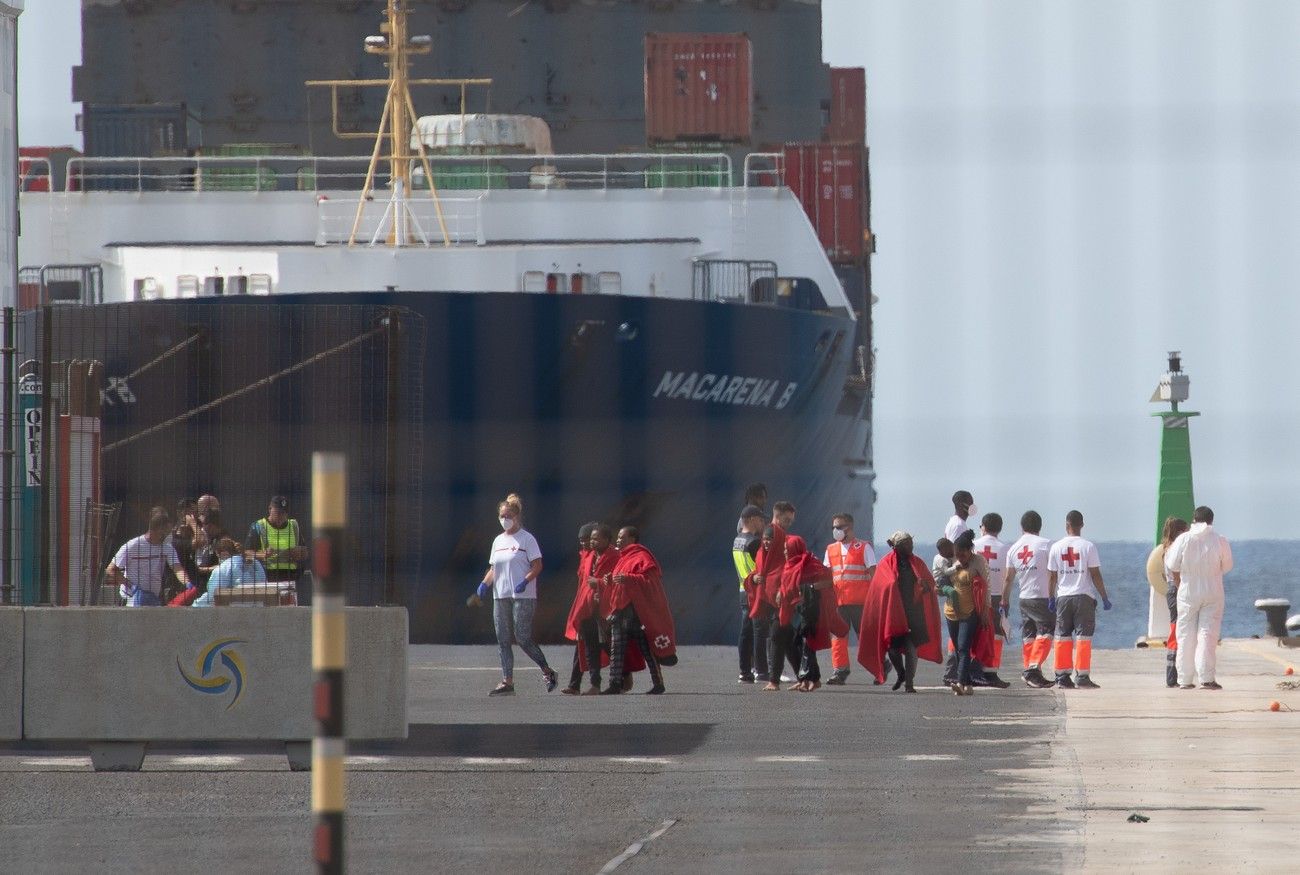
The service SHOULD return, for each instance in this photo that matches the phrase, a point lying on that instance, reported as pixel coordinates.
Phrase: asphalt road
(726, 778)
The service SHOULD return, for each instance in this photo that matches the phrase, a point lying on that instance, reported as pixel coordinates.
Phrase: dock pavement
(719, 777)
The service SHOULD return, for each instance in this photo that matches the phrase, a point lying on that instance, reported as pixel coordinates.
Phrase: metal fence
(745, 282)
(121, 408)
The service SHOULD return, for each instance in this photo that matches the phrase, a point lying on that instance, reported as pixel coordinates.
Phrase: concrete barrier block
(11, 673)
(145, 674)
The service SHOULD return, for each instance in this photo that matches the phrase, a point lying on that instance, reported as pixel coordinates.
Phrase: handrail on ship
(199, 173)
(775, 173)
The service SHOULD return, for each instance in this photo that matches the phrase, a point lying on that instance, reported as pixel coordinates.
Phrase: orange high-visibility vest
(848, 564)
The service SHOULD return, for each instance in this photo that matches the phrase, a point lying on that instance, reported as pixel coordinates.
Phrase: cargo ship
(612, 257)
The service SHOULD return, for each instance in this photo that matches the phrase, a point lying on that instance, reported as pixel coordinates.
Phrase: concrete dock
(718, 777)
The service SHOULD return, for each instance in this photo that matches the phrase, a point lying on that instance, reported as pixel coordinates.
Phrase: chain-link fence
(120, 409)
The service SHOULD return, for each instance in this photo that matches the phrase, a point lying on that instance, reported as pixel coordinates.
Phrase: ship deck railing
(479, 172)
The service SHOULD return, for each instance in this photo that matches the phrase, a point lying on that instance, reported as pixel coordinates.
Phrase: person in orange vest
(852, 563)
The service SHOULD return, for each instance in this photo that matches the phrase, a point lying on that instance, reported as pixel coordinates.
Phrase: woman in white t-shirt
(513, 568)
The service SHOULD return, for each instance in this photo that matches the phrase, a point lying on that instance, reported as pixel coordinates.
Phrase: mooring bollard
(328, 658)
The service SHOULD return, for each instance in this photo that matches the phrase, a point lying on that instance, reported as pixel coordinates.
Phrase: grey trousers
(513, 619)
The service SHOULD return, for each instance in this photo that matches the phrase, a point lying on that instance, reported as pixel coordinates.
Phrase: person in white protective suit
(1199, 559)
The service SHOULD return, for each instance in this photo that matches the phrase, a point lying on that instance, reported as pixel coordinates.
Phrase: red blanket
(586, 601)
(769, 564)
(642, 587)
(982, 648)
(801, 568)
(884, 619)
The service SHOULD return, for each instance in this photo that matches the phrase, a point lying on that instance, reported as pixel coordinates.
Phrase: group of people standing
(893, 604)
(186, 561)
(619, 619)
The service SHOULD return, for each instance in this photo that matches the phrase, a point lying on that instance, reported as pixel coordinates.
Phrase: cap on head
(279, 502)
(898, 537)
(752, 510)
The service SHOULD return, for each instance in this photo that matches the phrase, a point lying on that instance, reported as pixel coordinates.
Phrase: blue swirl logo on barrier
(217, 669)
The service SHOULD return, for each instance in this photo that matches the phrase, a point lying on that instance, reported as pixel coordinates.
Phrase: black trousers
(902, 653)
(783, 647)
(809, 669)
(754, 634)
(588, 641)
(625, 628)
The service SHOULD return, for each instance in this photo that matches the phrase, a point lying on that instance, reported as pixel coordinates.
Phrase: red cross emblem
(1070, 556)
(988, 553)
(1025, 555)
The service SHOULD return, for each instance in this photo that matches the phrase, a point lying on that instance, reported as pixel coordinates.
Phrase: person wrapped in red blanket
(638, 613)
(807, 616)
(596, 561)
(900, 618)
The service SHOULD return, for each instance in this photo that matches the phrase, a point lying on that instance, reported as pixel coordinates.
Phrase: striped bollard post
(328, 659)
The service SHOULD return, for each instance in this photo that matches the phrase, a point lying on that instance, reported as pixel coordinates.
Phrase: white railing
(764, 170)
(638, 170)
(417, 224)
(32, 172)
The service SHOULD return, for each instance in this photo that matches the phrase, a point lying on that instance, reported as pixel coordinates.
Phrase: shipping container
(139, 130)
(828, 179)
(848, 109)
(44, 168)
(698, 86)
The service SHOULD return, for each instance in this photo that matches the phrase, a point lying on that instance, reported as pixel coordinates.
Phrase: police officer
(276, 540)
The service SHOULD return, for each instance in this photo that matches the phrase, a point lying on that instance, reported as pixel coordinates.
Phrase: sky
(1062, 191)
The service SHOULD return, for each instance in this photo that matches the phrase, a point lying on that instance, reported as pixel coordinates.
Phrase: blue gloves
(520, 587)
(1105, 604)
(483, 590)
(1051, 604)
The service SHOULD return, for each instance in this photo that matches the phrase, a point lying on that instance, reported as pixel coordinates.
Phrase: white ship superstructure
(575, 224)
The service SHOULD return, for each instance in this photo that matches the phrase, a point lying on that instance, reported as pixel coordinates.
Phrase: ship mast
(399, 225)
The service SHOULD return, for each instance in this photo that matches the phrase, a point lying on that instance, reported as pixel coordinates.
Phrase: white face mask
(838, 534)
(973, 512)
(506, 523)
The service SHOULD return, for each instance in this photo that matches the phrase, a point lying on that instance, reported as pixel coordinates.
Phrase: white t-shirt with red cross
(994, 553)
(1070, 558)
(1028, 559)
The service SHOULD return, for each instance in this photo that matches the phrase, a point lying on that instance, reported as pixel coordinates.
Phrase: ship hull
(651, 412)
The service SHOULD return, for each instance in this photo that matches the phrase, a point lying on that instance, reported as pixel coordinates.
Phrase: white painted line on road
(494, 761)
(931, 757)
(654, 761)
(366, 761)
(789, 759)
(470, 668)
(199, 760)
(65, 762)
(635, 848)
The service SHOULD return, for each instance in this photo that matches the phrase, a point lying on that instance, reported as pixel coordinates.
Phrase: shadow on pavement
(542, 740)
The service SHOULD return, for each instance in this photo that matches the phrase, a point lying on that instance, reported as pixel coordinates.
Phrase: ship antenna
(398, 223)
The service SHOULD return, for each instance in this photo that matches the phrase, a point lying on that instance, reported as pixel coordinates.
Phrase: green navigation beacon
(1174, 493)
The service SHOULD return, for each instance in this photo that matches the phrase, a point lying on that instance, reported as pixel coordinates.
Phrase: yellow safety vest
(274, 539)
(745, 563)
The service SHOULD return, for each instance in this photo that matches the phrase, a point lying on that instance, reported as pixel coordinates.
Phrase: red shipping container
(828, 179)
(698, 86)
(848, 117)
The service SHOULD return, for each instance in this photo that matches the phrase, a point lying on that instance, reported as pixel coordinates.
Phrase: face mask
(506, 523)
(837, 533)
(973, 512)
